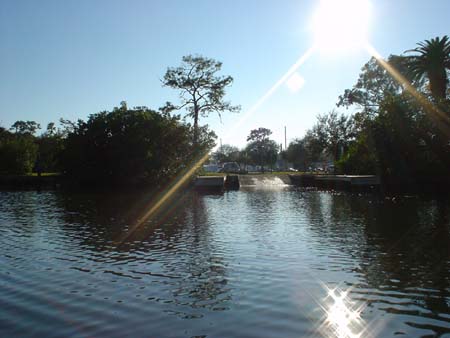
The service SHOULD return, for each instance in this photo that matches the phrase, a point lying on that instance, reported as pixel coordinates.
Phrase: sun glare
(342, 316)
(341, 25)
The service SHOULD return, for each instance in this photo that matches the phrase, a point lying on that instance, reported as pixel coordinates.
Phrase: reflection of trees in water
(413, 251)
(101, 219)
(177, 243)
(403, 244)
(25, 208)
(204, 268)
(335, 219)
(260, 204)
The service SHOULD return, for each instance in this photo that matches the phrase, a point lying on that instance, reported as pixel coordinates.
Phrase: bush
(131, 147)
(18, 154)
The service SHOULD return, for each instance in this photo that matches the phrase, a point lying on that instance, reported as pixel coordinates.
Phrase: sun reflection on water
(341, 316)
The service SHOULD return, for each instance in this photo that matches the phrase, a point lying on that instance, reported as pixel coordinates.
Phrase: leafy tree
(396, 135)
(360, 159)
(332, 133)
(400, 144)
(259, 135)
(131, 147)
(314, 146)
(432, 60)
(226, 153)
(51, 145)
(261, 150)
(17, 153)
(373, 85)
(296, 153)
(243, 159)
(51, 129)
(25, 127)
(202, 91)
(206, 140)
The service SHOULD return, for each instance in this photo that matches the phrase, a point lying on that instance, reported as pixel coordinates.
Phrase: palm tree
(432, 61)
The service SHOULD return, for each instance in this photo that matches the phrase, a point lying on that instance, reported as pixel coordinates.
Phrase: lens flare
(295, 82)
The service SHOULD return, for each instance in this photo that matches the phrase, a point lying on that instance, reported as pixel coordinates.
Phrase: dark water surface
(273, 262)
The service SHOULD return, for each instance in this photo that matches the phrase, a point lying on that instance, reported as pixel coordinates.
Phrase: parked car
(230, 167)
(211, 168)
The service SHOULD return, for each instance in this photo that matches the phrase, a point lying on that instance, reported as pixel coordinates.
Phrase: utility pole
(285, 139)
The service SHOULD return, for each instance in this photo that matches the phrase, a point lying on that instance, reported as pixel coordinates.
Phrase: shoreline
(351, 183)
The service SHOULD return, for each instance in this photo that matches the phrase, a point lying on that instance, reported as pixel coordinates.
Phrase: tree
(259, 135)
(332, 133)
(25, 127)
(296, 154)
(17, 152)
(432, 59)
(262, 150)
(395, 134)
(51, 129)
(201, 90)
(243, 159)
(51, 145)
(226, 153)
(360, 158)
(372, 86)
(130, 147)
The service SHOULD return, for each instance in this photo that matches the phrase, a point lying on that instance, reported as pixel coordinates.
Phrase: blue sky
(73, 58)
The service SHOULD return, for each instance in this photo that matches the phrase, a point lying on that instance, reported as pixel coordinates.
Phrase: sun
(341, 25)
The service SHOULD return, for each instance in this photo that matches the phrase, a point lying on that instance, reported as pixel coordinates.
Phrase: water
(275, 262)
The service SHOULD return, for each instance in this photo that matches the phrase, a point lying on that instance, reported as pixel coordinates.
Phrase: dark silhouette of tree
(202, 91)
(297, 154)
(332, 133)
(259, 135)
(226, 153)
(51, 129)
(51, 145)
(18, 151)
(25, 127)
(262, 150)
(130, 147)
(373, 84)
(432, 60)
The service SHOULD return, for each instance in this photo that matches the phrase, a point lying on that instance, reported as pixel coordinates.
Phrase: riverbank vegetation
(400, 126)
(399, 129)
(126, 147)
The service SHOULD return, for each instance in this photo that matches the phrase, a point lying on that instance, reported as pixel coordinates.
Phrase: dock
(209, 182)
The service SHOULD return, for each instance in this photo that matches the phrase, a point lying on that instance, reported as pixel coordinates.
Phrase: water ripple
(251, 263)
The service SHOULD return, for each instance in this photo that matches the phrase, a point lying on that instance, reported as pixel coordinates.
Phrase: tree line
(125, 146)
(400, 130)
(401, 127)
(260, 151)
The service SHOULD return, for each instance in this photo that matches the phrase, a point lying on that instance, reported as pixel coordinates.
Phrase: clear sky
(76, 57)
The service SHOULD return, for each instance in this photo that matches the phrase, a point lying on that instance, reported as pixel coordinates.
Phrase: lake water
(271, 262)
